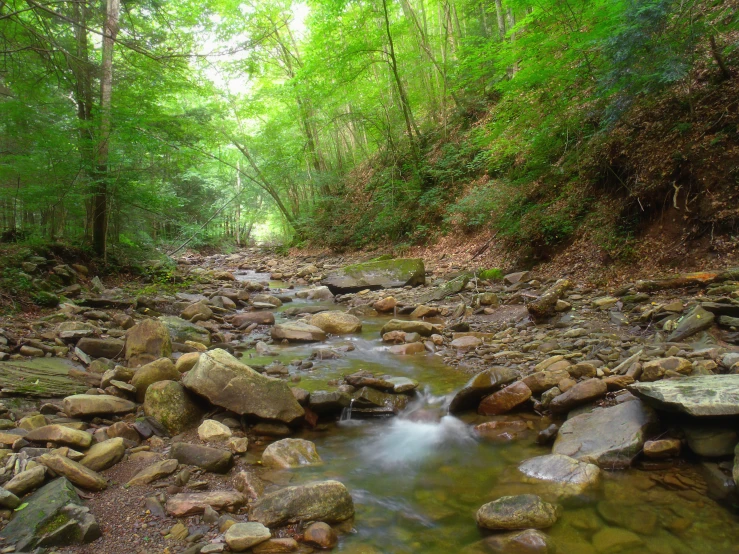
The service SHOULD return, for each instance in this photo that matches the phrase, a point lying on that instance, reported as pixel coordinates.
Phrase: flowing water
(418, 479)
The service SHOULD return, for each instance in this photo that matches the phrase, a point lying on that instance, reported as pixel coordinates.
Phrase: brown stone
(664, 448)
(505, 399)
(321, 535)
(542, 381)
(582, 393)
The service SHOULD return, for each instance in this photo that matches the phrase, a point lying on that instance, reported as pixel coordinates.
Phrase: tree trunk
(501, 19)
(100, 209)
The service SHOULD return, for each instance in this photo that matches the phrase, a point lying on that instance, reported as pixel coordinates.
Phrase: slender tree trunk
(501, 19)
(100, 217)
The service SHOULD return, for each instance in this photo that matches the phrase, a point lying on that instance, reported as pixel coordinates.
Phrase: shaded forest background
(140, 124)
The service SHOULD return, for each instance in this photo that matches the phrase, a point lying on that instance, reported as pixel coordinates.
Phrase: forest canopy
(132, 123)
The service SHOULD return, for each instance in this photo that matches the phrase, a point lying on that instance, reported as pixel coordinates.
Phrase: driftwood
(543, 307)
(700, 278)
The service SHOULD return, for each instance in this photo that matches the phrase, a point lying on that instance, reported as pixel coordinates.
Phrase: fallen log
(543, 307)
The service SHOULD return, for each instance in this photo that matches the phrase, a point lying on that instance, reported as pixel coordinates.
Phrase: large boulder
(101, 348)
(526, 511)
(89, 405)
(484, 383)
(297, 331)
(53, 515)
(336, 322)
(171, 405)
(146, 342)
(228, 383)
(607, 437)
(327, 501)
(289, 453)
(701, 395)
(183, 331)
(376, 275)
(162, 369)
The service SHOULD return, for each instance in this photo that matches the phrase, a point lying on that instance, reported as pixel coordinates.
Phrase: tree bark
(501, 19)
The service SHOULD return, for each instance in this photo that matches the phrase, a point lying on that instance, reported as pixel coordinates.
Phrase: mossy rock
(376, 275)
(46, 299)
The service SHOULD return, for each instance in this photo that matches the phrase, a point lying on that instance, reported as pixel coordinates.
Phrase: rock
(695, 321)
(8, 500)
(376, 275)
(250, 484)
(198, 311)
(529, 541)
(320, 535)
(61, 435)
(482, 384)
(159, 370)
(247, 318)
(612, 540)
(74, 330)
(564, 476)
(238, 445)
(215, 460)
(242, 536)
(182, 331)
(526, 511)
(502, 431)
(407, 349)
(402, 384)
(663, 448)
(370, 402)
(336, 322)
(171, 405)
(104, 455)
(146, 342)
(53, 515)
(276, 546)
(421, 311)
(423, 328)
(385, 305)
(447, 289)
(466, 343)
(297, 331)
(323, 402)
(655, 369)
(89, 405)
(505, 399)
(711, 441)
(488, 299)
(187, 361)
(154, 472)
(607, 437)
(517, 277)
(226, 382)
(78, 474)
(542, 381)
(101, 348)
(289, 453)
(582, 393)
(629, 515)
(544, 306)
(703, 395)
(212, 430)
(30, 351)
(191, 503)
(26, 481)
(327, 501)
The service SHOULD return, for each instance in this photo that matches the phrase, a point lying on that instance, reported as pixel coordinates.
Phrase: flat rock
(297, 331)
(695, 321)
(191, 503)
(423, 328)
(154, 472)
(529, 541)
(247, 318)
(215, 460)
(242, 536)
(607, 437)
(289, 453)
(228, 383)
(702, 395)
(327, 501)
(78, 474)
(563, 475)
(505, 399)
(102, 348)
(26, 481)
(526, 511)
(376, 275)
(89, 405)
(60, 434)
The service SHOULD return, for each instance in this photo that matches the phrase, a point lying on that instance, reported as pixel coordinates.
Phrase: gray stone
(703, 395)
(297, 331)
(695, 321)
(101, 348)
(376, 275)
(88, 405)
(26, 480)
(205, 457)
(607, 437)
(242, 536)
(447, 289)
(526, 511)
(327, 501)
(183, 331)
(711, 441)
(289, 453)
(171, 405)
(562, 475)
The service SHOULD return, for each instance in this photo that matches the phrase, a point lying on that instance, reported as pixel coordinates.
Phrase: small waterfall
(346, 413)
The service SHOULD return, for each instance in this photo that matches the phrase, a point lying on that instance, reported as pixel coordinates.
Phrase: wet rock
(526, 511)
(101, 348)
(407, 349)
(337, 323)
(320, 535)
(582, 393)
(268, 429)
(612, 540)
(187, 504)
(212, 430)
(372, 402)
(607, 437)
(376, 275)
(327, 501)
(78, 474)
(226, 382)
(276, 546)
(323, 402)
(502, 431)
(159, 370)
(53, 516)
(89, 405)
(242, 536)
(564, 476)
(402, 384)
(505, 399)
(26, 481)
(238, 445)
(695, 321)
(482, 384)
(289, 453)
(656, 369)
(711, 441)
(423, 328)
(704, 395)
(182, 331)
(60, 434)
(629, 515)
(247, 318)
(104, 455)
(529, 541)
(663, 448)
(215, 460)
(297, 331)
(171, 405)
(154, 472)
